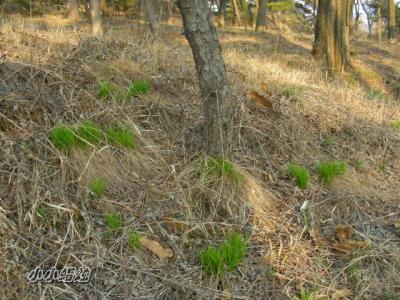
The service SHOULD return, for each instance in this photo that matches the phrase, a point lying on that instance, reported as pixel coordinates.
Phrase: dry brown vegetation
(49, 75)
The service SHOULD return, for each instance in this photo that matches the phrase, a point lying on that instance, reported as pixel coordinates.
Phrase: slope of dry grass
(50, 74)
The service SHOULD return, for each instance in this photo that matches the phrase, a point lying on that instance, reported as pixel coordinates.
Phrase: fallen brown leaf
(174, 224)
(341, 294)
(156, 248)
(259, 99)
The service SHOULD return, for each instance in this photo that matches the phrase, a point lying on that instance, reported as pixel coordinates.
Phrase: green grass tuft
(221, 168)
(89, 133)
(308, 295)
(212, 261)
(120, 136)
(234, 250)
(63, 137)
(290, 92)
(395, 124)
(329, 170)
(134, 240)
(300, 173)
(105, 89)
(43, 212)
(139, 87)
(114, 221)
(97, 187)
(228, 255)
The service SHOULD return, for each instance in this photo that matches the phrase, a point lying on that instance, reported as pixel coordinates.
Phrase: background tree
(261, 21)
(95, 18)
(379, 20)
(211, 71)
(152, 12)
(73, 10)
(332, 34)
(391, 21)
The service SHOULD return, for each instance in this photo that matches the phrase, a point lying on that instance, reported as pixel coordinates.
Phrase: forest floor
(344, 245)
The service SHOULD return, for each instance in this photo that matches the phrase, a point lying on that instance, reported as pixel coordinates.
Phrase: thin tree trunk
(218, 107)
(236, 12)
(73, 10)
(379, 22)
(95, 16)
(86, 7)
(391, 21)
(261, 22)
(221, 13)
(332, 34)
(152, 14)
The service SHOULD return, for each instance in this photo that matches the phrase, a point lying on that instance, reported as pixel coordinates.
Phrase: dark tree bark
(73, 10)
(261, 22)
(221, 13)
(95, 17)
(217, 99)
(391, 21)
(332, 34)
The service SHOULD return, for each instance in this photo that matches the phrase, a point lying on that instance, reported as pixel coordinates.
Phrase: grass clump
(89, 133)
(300, 173)
(63, 137)
(120, 136)
(212, 261)
(134, 240)
(139, 87)
(329, 170)
(97, 187)
(106, 89)
(113, 221)
(395, 124)
(215, 261)
(234, 250)
(43, 212)
(219, 167)
(290, 92)
(309, 295)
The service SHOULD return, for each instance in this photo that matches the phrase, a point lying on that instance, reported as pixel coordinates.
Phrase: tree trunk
(379, 22)
(215, 91)
(236, 15)
(221, 13)
(358, 15)
(151, 10)
(332, 34)
(95, 17)
(261, 22)
(87, 7)
(391, 21)
(73, 10)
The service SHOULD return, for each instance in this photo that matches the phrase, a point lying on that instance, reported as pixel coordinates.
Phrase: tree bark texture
(95, 16)
(73, 10)
(211, 71)
(332, 34)
(391, 20)
(261, 16)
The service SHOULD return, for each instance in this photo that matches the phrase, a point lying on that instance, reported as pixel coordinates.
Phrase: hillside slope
(344, 244)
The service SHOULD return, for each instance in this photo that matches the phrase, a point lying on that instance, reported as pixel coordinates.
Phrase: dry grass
(50, 75)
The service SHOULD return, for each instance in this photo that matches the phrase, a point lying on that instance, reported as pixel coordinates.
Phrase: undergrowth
(222, 168)
(97, 187)
(65, 138)
(121, 136)
(300, 174)
(226, 257)
(329, 170)
(134, 239)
